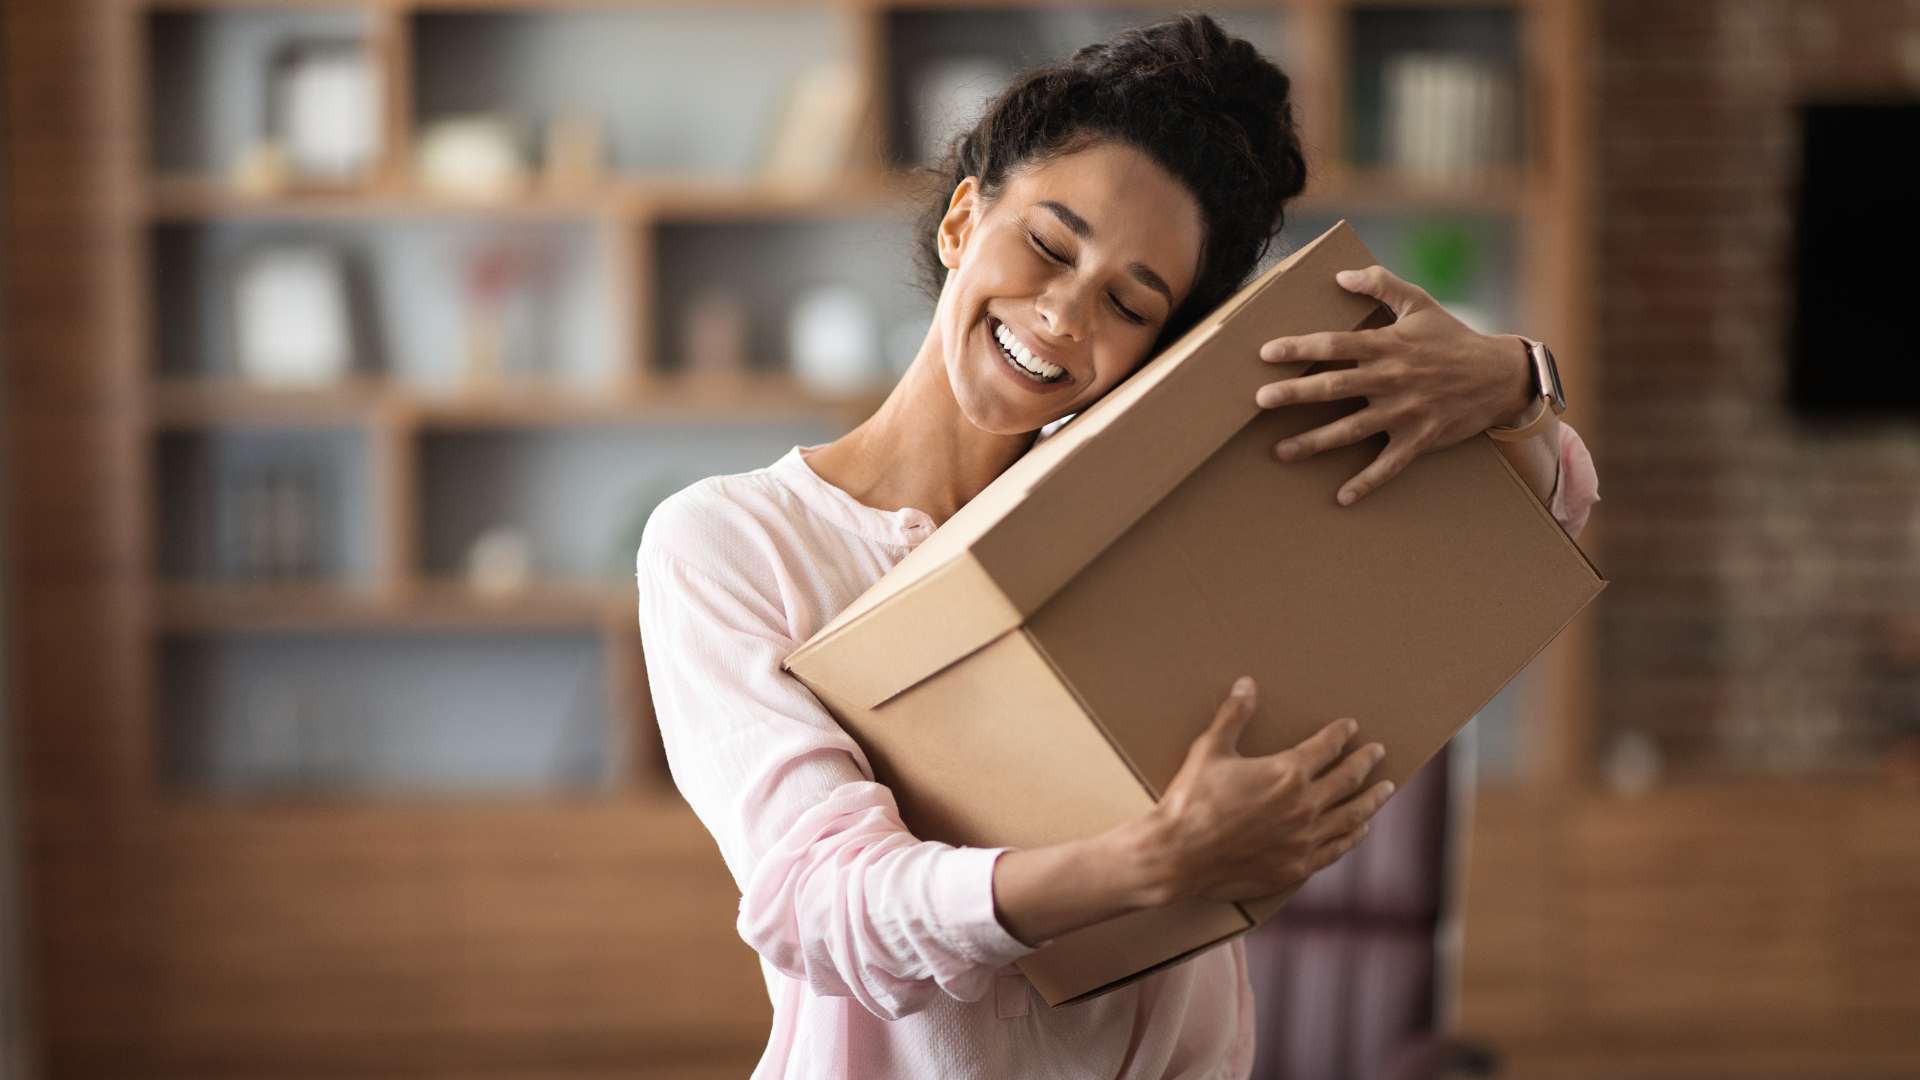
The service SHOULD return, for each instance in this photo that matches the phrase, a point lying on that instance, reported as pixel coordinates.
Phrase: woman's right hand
(1232, 827)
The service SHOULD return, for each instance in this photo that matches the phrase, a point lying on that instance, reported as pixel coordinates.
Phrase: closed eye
(1125, 312)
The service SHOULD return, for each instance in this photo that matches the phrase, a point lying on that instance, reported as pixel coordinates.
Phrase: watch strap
(1529, 427)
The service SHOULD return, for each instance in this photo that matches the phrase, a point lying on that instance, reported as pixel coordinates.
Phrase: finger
(1326, 345)
(1329, 851)
(1356, 811)
(1345, 778)
(1318, 750)
(1399, 453)
(1335, 385)
(1401, 296)
(1345, 431)
(1223, 734)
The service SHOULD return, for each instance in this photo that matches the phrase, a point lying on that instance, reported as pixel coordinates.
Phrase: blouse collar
(904, 527)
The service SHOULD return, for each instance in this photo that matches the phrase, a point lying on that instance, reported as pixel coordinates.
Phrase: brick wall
(1762, 566)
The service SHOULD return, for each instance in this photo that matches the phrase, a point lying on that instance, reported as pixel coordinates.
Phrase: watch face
(1550, 379)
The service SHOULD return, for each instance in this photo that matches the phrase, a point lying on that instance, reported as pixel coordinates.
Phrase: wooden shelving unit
(564, 933)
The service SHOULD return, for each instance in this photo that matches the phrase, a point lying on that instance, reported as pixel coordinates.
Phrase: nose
(1064, 307)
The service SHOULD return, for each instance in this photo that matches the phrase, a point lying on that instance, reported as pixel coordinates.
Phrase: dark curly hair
(1208, 107)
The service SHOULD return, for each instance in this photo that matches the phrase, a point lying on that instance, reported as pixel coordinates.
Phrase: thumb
(1231, 719)
(1401, 296)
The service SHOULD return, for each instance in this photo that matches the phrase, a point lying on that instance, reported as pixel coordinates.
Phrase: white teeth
(1024, 357)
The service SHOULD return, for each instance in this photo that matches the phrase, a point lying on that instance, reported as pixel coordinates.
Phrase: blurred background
(347, 344)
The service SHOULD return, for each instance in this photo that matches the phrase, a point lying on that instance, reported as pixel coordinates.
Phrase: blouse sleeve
(835, 891)
(1576, 486)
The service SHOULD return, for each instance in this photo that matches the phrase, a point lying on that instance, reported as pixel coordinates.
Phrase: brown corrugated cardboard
(1035, 670)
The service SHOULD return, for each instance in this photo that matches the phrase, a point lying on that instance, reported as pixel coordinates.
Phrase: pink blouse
(881, 952)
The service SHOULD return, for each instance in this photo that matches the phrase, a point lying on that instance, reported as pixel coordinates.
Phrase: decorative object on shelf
(270, 519)
(261, 168)
(818, 127)
(471, 157)
(1447, 116)
(574, 159)
(292, 319)
(1443, 258)
(323, 106)
(505, 287)
(714, 335)
(500, 561)
(950, 94)
(831, 342)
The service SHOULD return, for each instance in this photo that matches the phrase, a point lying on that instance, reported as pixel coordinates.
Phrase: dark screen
(1855, 338)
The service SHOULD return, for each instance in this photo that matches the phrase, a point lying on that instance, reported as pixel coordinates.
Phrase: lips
(1016, 366)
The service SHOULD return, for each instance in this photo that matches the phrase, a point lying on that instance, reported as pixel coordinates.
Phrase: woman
(1095, 212)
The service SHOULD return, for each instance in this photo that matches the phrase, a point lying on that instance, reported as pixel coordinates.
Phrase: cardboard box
(1035, 670)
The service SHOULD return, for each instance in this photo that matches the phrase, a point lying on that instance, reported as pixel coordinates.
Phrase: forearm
(1536, 459)
(1042, 893)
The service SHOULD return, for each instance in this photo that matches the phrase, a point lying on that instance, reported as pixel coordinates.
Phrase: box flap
(1003, 555)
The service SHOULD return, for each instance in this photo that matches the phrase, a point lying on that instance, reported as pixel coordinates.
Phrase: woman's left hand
(1430, 381)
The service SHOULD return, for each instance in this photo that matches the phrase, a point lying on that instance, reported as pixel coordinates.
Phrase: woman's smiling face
(1077, 265)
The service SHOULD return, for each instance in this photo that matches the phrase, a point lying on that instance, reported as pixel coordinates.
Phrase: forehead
(1136, 209)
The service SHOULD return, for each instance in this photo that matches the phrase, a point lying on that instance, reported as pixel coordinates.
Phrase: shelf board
(216, 607)
(190, 198)
(186, 404)
(199, 198)
(693, 199)
(1496, 190)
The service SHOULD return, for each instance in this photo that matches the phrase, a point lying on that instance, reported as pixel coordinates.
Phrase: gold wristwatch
(1546, 386)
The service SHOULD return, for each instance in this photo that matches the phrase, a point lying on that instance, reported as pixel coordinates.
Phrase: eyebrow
(1141, 271)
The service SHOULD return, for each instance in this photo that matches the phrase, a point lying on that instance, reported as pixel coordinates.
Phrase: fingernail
(1346, 498)
(1243, 685)
(1283, 451)
(1387, 788)
(1379, 751)
(1351, 727)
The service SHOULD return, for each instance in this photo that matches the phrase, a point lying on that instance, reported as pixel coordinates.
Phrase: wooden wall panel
(1757, 928)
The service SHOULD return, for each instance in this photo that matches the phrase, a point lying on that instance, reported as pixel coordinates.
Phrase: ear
(957, 226)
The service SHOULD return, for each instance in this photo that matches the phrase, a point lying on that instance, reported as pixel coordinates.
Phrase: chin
(993, 410)
(995, 400)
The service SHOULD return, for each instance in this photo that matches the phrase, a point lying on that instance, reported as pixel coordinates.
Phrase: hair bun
(1205, 105)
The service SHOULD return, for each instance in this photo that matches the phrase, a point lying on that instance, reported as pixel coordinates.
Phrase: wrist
(1522, 397)
(1144, 849)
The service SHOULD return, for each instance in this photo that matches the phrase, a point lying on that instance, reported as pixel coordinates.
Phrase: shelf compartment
(767, 267)
(251, 505)
(620, 67)
(577, 498)
(207, 70)
(407, 289)
(252, 714)
(1486, 36)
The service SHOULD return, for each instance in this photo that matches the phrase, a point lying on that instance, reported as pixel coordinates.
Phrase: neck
(918, 449)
